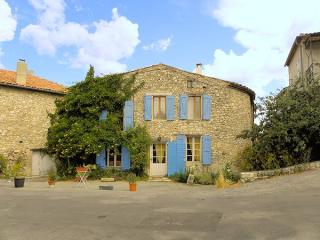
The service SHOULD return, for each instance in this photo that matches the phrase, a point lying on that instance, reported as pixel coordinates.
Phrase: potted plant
(52, 177)
(17, 171)
(131, 178)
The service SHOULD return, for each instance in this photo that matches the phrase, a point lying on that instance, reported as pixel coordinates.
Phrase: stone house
(304, 57)
(25, 101)
(193, 120)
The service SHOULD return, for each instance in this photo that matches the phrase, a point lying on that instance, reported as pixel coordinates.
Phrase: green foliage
(230, 173)
(138, 141)
(179, 177)
(76, 134)
(131, 178)
(52, 175)
(205, 178)
(3, 164)
(289, 128)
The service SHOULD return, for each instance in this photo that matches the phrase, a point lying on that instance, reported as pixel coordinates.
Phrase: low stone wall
(255, 175)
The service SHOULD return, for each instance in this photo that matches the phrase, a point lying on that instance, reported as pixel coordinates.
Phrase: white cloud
(266, 29)
(160, 45)
(8, 24)
(103, 47)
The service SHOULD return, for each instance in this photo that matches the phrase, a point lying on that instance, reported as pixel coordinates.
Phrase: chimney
(22, 71)
(199, 68)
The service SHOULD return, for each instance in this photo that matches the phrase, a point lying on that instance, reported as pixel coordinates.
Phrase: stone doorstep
(107, 179)
(159, 179)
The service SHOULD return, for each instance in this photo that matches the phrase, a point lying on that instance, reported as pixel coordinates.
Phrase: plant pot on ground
(131, 178)
(52, 177)
(17, 172)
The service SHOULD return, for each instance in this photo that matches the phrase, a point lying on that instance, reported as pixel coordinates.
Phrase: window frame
(119, 153)
(193, 149)
(159, 107)
(194, 107)
(165, 155)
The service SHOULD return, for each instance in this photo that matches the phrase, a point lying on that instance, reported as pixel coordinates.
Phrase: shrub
(179, 177)
(3, 164)
(229, 173)
(205, 178)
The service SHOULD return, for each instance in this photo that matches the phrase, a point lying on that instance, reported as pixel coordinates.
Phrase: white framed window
(114, 157)
(194, 107)
(193, 148)
(159, 107)
(159, 153)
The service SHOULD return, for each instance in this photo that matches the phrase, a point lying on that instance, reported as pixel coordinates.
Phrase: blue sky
(245, 41)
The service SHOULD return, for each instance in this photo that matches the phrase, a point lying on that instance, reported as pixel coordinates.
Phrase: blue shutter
(103, 115)
(147, 108)
(170, 108)
(101, 159)
(183, 107)
(206, 107)
(206, 150)
(125, 158)
(172, 158)
(181, 153)
(128, 115)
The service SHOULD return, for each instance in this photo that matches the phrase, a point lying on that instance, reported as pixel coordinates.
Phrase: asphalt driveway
(286, 207)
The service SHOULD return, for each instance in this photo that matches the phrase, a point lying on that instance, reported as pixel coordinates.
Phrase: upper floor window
(194, 107)
(114, 157)
(159, 107)
(193, 149)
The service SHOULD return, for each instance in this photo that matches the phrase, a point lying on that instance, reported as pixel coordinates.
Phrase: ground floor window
(114, 157)
(159, 153)
(193, 149)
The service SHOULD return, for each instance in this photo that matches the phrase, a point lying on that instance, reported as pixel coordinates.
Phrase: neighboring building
(25, 101)
(194, 120)
(304, 57)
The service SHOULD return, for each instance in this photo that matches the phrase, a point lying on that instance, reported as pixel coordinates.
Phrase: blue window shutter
(170, 108)
(172, 158)
(183, 107)
(147, 108)
(101, 159)
(181, 153)
(103, 115)
(128, 115)
(206, 107)
(206, 150)
(125, 158)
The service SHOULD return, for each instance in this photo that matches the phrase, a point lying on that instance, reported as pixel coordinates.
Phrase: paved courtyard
(286, 207)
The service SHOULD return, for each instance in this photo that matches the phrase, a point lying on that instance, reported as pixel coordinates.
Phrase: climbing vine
(76, 134)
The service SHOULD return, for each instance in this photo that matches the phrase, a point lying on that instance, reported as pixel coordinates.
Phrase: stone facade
(24, 120)
(231, 109)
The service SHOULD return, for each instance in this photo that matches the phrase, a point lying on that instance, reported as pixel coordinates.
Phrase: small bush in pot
(52, 176)
(132, 178)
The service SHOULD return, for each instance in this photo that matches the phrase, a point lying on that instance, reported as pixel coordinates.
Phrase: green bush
(288, 132)
(205, 178)
(3, 164)
(179, 177)
(230, 173)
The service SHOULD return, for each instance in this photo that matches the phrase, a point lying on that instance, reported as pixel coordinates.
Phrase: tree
(289, 128)
(76, 135)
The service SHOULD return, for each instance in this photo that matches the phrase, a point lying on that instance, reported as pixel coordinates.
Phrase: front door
(158, 160)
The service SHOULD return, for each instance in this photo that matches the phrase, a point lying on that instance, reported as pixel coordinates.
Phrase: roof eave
(32, 88)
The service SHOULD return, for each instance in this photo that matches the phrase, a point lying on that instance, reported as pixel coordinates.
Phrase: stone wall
(232, 110)
(24, 120)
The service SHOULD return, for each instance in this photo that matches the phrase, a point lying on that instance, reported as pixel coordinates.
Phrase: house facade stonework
(24, 109)
(193, 120)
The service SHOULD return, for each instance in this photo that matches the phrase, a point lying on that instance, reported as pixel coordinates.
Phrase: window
(193, 149)
(189, 83)
(159, 107)
(114, 157)
(159, 154)
(194, 107)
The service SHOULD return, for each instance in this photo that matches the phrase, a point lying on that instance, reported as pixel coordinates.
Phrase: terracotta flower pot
(132, 187)
(51, 182)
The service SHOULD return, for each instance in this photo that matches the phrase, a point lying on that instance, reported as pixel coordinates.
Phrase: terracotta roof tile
(33, 82)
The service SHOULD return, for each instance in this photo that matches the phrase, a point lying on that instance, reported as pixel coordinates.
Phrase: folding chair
(82, 176)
